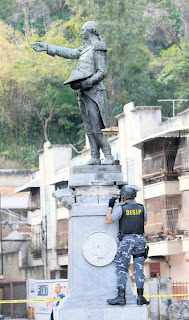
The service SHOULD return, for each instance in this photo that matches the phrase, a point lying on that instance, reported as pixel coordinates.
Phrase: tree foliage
(34, 104)
(147, 60)
(128, 56)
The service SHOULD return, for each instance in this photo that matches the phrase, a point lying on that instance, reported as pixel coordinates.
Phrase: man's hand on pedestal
(112, 202)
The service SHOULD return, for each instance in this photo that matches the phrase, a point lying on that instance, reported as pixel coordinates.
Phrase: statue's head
(90, 28)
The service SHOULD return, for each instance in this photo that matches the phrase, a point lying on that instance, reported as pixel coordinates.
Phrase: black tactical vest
(132, 220)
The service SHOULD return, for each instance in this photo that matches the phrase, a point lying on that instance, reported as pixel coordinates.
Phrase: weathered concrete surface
(90, 286)
(154, 303)
(165, 288)
(95, 169)
(90, 210)
(85, 278)
(131, 312)
(94, 178)
(95, 175)
(179, 310)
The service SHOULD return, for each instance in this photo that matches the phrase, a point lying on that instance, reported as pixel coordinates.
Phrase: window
(172, 219)
(155, 270)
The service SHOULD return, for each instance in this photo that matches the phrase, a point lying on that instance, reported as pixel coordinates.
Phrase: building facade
(154, 155)
(15, 225)
(156, 158)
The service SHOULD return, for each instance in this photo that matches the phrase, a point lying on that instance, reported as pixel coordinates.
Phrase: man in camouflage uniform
(132, 217)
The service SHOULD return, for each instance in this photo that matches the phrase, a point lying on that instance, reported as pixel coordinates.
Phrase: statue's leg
(95, 121)
(94, 146)
(106, 149)
(95, 150)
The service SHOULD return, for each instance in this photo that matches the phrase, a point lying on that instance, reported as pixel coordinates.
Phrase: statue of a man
(86, 79)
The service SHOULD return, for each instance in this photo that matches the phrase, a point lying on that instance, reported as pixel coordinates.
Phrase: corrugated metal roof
(62, 175)
(35, 183)
(181, 131)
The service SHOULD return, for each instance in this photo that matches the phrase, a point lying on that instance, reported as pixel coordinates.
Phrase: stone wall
(179, 310)
(163, 308)
(14, 176)
(19, 273)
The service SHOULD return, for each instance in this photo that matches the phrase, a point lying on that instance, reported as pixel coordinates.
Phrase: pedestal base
(97, 308)
(130, 312)
(92, 277)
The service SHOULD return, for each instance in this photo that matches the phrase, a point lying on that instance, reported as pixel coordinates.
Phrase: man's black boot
(140, 299)
(120, 299)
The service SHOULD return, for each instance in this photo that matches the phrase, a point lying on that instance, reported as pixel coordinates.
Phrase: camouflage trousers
(131, 244)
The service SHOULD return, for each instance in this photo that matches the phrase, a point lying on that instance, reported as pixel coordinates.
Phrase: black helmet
(128, 192)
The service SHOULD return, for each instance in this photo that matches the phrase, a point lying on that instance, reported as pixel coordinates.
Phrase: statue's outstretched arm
(66, 53)
(52, 50)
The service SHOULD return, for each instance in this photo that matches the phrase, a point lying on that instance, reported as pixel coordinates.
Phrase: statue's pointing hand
(39, 46)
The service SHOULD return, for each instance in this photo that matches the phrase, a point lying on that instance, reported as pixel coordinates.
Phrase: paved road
(16, 319)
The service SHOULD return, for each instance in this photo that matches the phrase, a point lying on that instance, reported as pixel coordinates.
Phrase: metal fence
(13, 290)
(180, 287)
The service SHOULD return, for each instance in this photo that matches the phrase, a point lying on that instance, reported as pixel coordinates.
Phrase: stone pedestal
(91, 282)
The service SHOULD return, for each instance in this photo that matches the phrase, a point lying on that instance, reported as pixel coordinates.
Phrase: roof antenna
(173, 101)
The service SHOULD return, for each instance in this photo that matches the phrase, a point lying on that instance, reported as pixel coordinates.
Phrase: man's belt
(144, 254)
(121, 235)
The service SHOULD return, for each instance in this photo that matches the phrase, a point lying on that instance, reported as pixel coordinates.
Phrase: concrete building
(15, 228)
(154, 155)
(156, 158)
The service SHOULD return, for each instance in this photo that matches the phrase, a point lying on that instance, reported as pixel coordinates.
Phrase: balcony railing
(61, 251)
(36, 252)
(180, 287)
(181, 164)
(159, 177)
(159, 167)
(62, 244)
(167, 226)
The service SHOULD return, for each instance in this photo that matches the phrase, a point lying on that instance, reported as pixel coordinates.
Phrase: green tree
(175, 73)
(7, 9)
(121, 24)
(34, 103)
(30, 15)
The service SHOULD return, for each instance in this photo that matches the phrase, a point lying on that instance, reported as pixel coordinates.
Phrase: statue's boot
(95, 151)
(108, 160)
(120, 299)
(93, 161)
(106, 149)
(140, 299)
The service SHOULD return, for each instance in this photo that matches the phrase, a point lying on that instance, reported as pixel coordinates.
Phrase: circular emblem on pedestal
(99, 248)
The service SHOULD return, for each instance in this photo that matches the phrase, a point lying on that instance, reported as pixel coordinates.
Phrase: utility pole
(44, 245)
(1, 238)
(173, 101)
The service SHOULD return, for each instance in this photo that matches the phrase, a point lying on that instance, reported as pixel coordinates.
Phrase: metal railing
(180, 287)
(166, 225)
(159, 167)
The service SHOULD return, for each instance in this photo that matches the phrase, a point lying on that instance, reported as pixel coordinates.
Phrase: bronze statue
(86, 79)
